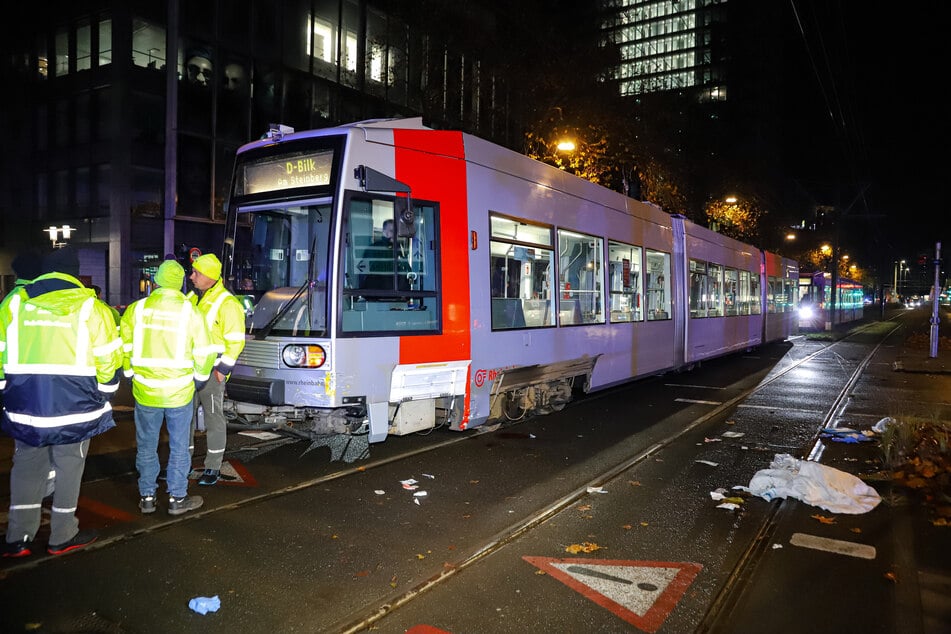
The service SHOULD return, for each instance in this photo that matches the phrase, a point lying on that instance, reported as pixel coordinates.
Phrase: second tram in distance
(400, 278)
(815, 301)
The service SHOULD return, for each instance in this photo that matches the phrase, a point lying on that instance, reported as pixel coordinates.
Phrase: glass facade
(664, 45)
(101, 152)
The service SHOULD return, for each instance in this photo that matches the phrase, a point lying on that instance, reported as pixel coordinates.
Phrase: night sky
(870, 109)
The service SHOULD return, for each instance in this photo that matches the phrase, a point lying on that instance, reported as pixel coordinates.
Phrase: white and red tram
(507, 287)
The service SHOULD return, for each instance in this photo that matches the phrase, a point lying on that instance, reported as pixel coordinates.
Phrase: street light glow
(54, 232)
(566, 145)
(730, 199)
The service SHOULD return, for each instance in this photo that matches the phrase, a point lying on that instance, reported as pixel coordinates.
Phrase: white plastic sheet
(815, 484)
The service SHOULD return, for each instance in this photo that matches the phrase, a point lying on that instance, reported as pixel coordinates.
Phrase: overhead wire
(838, 107)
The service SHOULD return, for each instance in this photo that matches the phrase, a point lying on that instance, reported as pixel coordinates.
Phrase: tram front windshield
(281, 259)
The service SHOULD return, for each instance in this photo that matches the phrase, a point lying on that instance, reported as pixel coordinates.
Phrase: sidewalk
(917, 497)
(910, 466)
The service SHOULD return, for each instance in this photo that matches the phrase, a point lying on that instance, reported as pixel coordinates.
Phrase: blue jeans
(148, 424)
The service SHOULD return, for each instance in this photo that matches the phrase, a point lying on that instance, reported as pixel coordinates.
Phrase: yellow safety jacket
(60, 355)
(224, 317)
(166, 349)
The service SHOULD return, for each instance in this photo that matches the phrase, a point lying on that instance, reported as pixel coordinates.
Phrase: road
(302, 544)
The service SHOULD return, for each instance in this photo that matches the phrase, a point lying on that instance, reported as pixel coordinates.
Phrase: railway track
(382, 608)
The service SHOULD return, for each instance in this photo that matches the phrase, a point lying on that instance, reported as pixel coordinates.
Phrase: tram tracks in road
(387, 605)
(717, 615)
(512, 533)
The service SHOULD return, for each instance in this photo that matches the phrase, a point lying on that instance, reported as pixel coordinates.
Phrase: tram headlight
(805, 312)
(304, 356)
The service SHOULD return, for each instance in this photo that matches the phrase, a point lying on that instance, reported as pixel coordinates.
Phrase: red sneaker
(17, 549)
(79, 540)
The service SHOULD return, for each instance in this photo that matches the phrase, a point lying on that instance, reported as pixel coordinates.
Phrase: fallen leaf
(420, 556)
(584, 507)
(891, 576)
(823, 519)
(634, 483)
(627, 527)
(362, 573)
(584, 547)
(540, 572)
(643, 523)
(855, 529)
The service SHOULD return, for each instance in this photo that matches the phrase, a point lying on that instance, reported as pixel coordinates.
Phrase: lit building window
(322, 45)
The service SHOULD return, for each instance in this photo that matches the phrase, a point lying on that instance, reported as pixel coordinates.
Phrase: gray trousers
(28, 486)
(211, 398)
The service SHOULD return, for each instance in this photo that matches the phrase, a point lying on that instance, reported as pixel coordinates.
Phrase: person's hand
(221, 377)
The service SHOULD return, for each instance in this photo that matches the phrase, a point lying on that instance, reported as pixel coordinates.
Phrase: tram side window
(706, 289)
(520, 273)
(756, 302)
(389, 267)
(745, 299)
(714, 290)
(624, 282)
(774, 291)
(657, 283)
(698, 288)
(789, 291)
(730, 292)
(580, 275)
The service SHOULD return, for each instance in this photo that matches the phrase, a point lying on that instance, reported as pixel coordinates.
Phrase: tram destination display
(307, 169)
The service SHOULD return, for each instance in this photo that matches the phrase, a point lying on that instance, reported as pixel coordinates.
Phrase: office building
(122, 118)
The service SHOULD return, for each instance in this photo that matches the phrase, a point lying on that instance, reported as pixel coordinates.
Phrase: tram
(815, 301)
(399, 278)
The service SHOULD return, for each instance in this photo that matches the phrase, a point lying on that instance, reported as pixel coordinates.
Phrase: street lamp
(54, 232)
(566, 145)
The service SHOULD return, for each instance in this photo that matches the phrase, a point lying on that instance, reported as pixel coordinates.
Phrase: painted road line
(699, 387)
(837, 546)
(691, 400)
(773, 407)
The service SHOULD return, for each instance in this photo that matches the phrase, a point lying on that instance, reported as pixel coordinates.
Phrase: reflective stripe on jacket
(60, 355)
(166, 348)
(224, 317)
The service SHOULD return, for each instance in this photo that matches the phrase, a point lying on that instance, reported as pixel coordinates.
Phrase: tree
(738, 219)
(587, 156)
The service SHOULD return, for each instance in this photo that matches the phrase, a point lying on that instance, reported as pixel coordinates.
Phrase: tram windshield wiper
(269, 326)
(307, 286)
